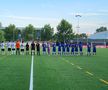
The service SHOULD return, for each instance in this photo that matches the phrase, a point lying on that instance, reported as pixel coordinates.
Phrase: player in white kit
(9, 48)
(13, 47)
(22, 48)
(3, 48)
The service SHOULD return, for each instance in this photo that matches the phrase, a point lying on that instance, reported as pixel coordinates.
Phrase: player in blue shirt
(72, 49)
(44, 48)
(59, 48)
(81, 48)
(88, 49)
(67, 49)
(54, 48)
(76, 49)
(63, 48)
(94, 49)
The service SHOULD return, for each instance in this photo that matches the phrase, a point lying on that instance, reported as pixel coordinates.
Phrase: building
(100, 35)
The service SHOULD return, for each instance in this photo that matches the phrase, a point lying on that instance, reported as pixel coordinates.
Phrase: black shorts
(27, 49)
(2, 49)
(17, 49)
(33, 49)
(9, 49)
(13, 49)
(22, 50)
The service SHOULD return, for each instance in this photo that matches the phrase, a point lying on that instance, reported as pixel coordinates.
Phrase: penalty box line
(31, 74)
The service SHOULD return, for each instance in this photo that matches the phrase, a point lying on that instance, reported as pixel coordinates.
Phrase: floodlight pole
(78, 27)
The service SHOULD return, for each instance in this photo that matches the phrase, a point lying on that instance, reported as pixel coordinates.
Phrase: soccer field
(55, 72)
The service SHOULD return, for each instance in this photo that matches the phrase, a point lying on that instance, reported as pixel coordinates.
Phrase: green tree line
(46, 33)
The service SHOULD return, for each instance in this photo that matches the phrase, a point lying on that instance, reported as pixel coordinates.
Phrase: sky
(94, 13)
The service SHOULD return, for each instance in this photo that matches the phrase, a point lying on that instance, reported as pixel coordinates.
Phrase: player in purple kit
(44, 46)
(48, 48)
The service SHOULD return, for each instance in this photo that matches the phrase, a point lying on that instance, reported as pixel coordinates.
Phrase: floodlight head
(78, 15)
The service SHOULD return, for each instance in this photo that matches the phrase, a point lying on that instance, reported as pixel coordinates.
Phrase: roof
(100, 35)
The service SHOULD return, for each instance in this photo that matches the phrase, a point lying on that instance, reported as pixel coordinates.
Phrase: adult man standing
(38, 48)
(27, 49)
(32, 48)
(18, 47)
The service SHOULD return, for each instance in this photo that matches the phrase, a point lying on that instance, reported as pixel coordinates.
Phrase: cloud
(103, 11)
(90, 14)
(22, 21)
(31, 18)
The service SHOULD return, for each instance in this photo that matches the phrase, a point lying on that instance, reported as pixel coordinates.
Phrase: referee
(32, 48)
(18, 47)
(38, 48)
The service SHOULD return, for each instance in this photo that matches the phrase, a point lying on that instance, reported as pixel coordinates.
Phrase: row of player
(63, 48)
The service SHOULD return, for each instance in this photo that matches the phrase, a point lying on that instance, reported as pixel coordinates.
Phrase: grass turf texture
(54, 72)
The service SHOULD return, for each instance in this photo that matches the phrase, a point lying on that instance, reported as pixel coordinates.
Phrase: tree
(10, 32)
(17, 34)
(2, 38)
(83, 35)
(64, 31)
(0, 25)
(28, 32)
(55, 37)
(101, 29)
(47, 32)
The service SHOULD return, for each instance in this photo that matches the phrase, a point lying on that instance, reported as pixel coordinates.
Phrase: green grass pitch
(55, 72)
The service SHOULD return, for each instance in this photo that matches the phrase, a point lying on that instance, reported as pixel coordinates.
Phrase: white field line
(78, 67)
(89, 73)
(106, 82)
(31, 74)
